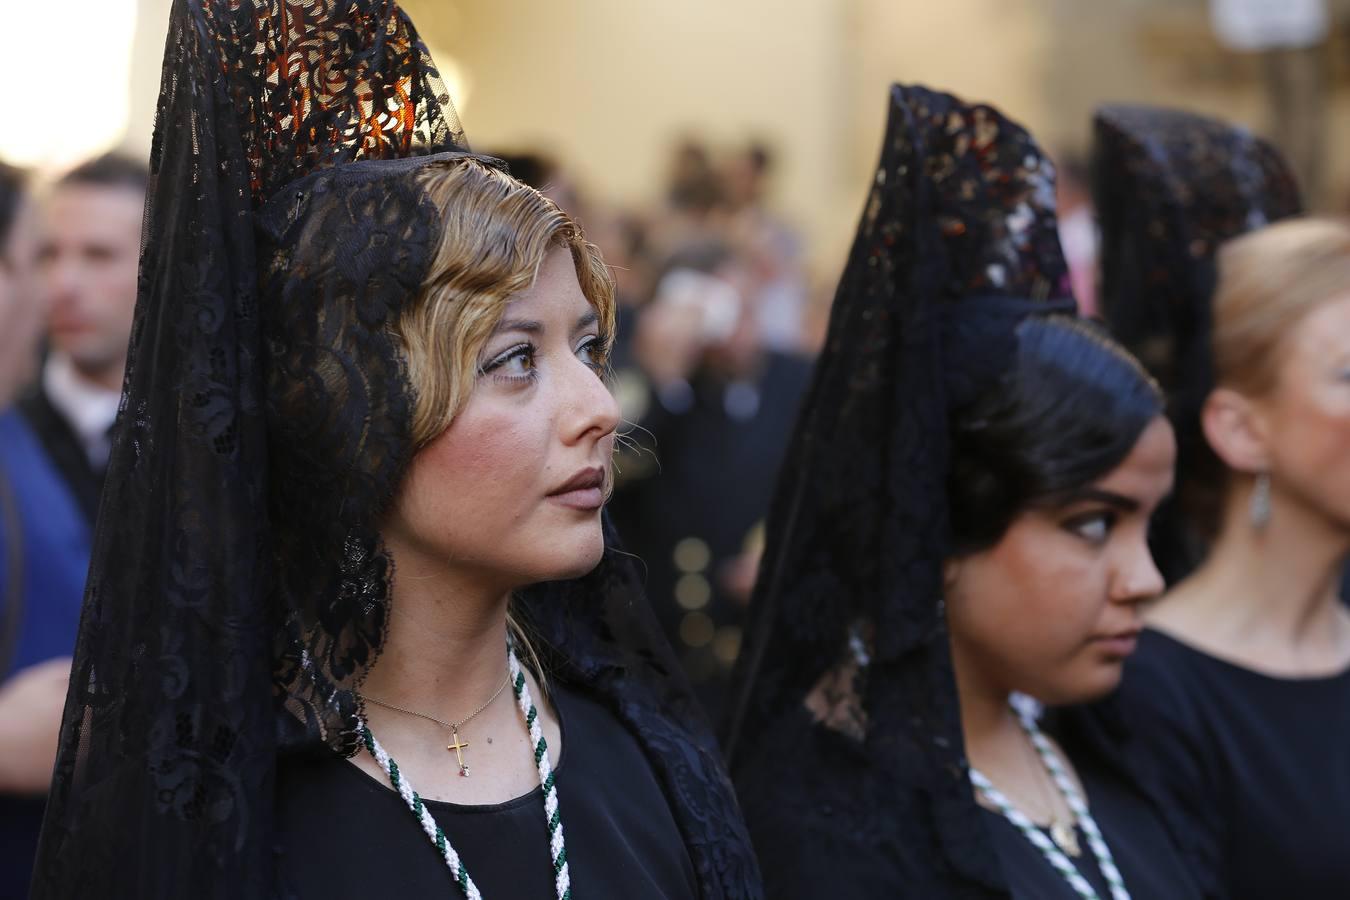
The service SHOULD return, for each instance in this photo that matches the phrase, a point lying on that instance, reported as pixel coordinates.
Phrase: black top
(1259, 766)
(621, 838)
(1148, 861)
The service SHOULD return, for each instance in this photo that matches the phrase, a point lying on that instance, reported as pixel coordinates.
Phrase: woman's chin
(575, 558)
(1084, 687)
(1104, 680)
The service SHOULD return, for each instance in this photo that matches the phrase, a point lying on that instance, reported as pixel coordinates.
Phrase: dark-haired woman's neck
(1267, 597)
(998, 747)
(988, 725)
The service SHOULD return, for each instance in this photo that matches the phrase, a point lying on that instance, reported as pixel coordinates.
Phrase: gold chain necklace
(455, 744)
(1063, 831)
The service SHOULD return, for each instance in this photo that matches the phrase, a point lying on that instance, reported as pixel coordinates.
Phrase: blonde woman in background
(1240, 690)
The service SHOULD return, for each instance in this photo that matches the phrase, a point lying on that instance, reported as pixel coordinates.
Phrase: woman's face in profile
(1051, 610)
(1307, 413)
(513, 489)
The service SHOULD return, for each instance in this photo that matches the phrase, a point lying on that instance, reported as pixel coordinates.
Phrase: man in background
(79, 268)
(87, 264)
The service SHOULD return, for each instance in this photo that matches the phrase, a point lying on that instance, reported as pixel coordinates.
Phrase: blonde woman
(1240, 689)
(355, 623)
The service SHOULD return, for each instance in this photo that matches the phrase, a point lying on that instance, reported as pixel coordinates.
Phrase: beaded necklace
(552, 815)
(1053, 854)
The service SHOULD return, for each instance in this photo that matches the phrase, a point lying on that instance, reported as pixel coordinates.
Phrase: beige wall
(609, 84)
(147, 57)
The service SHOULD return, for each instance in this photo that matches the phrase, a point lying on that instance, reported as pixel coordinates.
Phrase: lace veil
(845, 739)
(238, 591)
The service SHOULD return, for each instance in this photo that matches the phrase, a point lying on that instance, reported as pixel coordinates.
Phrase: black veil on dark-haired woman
(955, 393)
(239, 590)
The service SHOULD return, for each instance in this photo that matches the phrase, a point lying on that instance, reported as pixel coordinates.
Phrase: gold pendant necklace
(456, 745)
(1063, 832)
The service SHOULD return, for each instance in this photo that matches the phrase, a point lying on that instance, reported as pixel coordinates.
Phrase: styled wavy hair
(495, 236)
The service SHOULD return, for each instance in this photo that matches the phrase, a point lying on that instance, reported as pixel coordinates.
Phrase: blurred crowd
(68, 270)
(719, 317)
(716, 326)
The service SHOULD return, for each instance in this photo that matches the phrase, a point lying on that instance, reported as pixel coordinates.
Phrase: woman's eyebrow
(534, 326)
(1110, 498)
(529, 326)
(586, 320)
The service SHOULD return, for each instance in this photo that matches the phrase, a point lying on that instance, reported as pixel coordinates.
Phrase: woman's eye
(513, 364)
(594, 353)
(1094, 528)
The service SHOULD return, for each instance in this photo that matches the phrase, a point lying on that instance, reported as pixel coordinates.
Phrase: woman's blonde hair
(1269, 280)
(495, 234)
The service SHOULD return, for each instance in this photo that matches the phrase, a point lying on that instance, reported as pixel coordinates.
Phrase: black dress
(621, 838)
(1148, 861)
(1258, 766)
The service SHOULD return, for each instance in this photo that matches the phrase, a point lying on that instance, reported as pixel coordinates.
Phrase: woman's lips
(585, 499)
(1120, 645)
(583, 491)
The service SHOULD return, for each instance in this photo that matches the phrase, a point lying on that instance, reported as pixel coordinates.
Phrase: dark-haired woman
(961, 538)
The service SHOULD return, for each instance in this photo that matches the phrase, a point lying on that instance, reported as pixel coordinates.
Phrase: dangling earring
(1260, 509)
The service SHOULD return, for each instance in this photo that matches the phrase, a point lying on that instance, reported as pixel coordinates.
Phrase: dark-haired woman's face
(1051, 610)
(511, 492)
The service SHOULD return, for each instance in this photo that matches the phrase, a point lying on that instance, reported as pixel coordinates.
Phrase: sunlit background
(607, 87)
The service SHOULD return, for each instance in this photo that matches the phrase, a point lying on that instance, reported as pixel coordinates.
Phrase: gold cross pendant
(458, 746)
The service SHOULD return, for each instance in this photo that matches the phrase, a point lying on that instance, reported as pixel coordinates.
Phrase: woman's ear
(1236, 430)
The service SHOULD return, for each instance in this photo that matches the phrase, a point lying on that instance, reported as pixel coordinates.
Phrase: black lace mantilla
(1170, 187)
(846, 738)
(238, 590)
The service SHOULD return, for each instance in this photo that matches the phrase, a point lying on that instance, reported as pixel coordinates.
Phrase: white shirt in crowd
(89, 408)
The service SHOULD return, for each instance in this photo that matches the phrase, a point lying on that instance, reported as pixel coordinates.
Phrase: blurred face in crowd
(21, 309)
(1051, 610)
(743, 178)
(88, 260)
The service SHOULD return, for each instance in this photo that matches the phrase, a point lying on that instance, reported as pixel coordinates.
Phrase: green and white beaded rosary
(558, 850)
(1077, 805)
